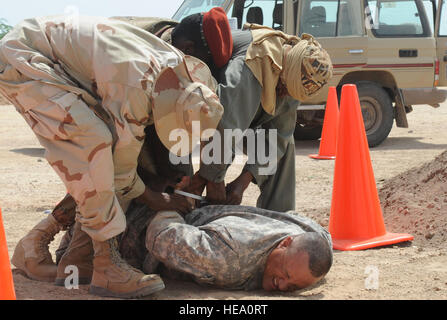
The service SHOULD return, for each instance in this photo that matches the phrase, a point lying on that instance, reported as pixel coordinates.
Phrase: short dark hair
(189, 29)
(318, 250)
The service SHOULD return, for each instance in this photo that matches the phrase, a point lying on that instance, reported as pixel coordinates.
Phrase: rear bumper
(310, 107)
(430, 96)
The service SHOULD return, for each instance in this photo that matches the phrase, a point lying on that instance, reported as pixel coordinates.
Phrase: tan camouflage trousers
(78, 147)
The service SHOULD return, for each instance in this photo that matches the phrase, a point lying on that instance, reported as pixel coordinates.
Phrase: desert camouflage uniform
(55, 70)
(220, 246)
(161, 27)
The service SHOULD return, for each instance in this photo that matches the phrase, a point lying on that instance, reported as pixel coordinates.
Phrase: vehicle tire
(307, 132)
(377, 112)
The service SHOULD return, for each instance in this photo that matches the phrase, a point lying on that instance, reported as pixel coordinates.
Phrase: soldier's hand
(196, 185)
(173, 202)
(215, 192)
(235, 190)
(184, 183)
(159, 201)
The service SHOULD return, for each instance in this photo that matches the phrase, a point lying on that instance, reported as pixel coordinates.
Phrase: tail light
(436, 73)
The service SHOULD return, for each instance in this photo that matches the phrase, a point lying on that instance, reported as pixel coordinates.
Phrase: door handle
(408, 53)
(356, 51)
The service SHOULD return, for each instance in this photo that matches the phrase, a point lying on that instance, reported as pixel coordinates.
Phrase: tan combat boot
(79, 253)
(63, 245)
(32, 254)
(113, 277)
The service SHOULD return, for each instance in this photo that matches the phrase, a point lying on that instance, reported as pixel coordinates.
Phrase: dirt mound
(3, 100)
(415, 202)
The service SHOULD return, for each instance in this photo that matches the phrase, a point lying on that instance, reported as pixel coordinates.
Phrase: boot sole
(103, 292)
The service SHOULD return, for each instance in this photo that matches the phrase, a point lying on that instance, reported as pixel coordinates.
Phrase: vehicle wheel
(377, 112)
(307, 132)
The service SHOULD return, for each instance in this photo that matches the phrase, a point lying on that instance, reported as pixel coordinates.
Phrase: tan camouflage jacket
(97, 59)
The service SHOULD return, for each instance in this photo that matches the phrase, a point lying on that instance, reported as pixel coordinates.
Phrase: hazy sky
(16, 10)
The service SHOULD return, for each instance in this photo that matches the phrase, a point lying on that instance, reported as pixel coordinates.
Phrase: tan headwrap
(305, 69)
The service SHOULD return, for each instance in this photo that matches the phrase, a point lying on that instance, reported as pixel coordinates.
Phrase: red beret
(217, 32)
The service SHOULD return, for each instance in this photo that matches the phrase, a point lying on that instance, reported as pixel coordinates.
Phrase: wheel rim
(372, 114)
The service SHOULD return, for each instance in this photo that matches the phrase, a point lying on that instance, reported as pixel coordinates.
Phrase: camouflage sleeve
(129, 108)
(240, 110)
(185, 248)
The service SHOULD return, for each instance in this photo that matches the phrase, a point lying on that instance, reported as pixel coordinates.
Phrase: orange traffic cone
(356, 220)
(7, 291)
(328, 141)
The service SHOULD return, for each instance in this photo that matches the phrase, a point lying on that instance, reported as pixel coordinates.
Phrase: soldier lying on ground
(230, 247)
(227, 247)
(262, 75)
(88, 87)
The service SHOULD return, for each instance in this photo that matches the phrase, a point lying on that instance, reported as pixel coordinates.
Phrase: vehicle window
(350, 21)
(319, 18)
(295, 15)
(395, 18)
(265, 12)
(190, 7)
(431, 13)
(330, 18)
(443, 22)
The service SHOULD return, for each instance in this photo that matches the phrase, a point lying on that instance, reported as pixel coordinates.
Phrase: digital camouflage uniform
(219, 246)
(55, 70)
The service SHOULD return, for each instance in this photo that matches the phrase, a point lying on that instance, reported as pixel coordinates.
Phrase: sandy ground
(412, 203)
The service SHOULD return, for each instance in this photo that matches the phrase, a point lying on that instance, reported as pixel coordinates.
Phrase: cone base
(319, 157)
(361, 244)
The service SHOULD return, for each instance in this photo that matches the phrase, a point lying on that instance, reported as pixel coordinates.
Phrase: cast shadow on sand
(27, 289)
(408, 143)
(304, 148)
(31, 152)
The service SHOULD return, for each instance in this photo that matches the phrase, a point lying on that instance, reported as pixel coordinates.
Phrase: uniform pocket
(78, 114)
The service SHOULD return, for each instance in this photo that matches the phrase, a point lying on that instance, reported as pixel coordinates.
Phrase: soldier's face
(184, 45)
(188, 47)
(286, 270)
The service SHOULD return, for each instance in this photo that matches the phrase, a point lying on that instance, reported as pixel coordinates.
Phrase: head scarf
(306, 68)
